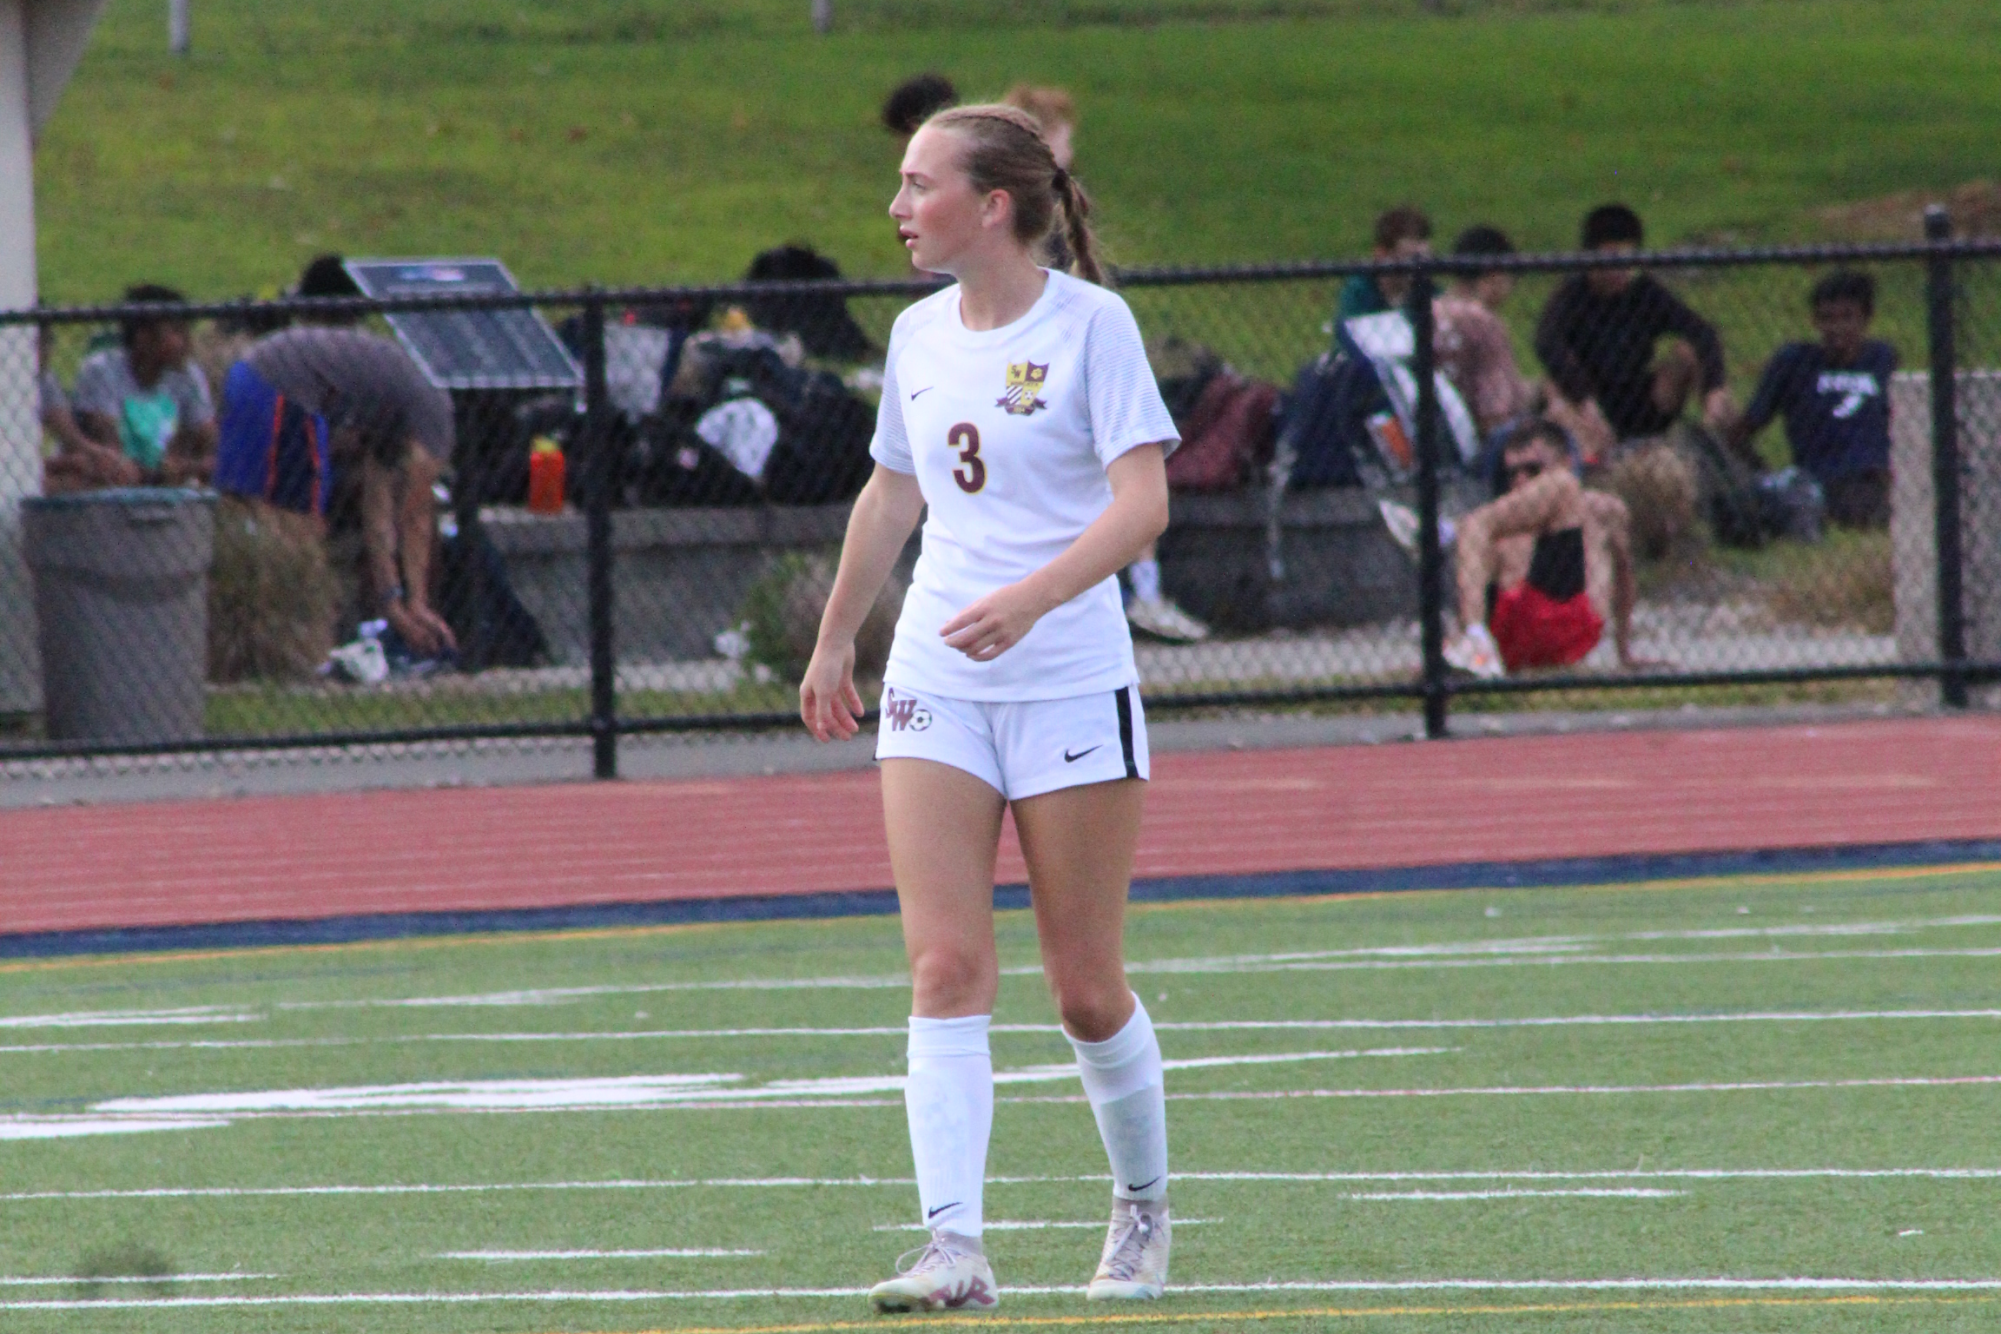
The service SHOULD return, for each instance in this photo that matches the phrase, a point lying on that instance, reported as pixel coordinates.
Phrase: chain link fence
(344, 522)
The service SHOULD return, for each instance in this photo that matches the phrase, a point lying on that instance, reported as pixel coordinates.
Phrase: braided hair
(1005, 150)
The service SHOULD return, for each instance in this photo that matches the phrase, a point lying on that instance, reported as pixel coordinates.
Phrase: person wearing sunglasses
(1543, 568)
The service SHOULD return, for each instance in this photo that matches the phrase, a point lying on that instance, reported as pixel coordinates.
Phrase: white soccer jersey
(1008, 432)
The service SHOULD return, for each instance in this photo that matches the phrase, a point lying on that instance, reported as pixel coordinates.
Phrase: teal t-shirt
(146, 426)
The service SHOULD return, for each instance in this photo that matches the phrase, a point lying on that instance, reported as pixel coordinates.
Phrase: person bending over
(1542, 569)
(343, 425)
(1597, 340)
(1834, 395)
(1019, 417)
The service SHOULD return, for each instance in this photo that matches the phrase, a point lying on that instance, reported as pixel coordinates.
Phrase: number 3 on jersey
(971, 475)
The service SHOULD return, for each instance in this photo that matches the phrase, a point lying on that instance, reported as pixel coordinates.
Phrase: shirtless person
(1542, 569)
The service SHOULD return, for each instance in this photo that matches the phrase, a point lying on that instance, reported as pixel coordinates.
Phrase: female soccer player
(1019, 407)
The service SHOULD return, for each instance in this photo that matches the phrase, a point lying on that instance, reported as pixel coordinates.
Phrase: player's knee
(1095, 1009)
(949, 977)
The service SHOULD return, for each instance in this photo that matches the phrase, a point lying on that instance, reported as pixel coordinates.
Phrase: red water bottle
(545, 476)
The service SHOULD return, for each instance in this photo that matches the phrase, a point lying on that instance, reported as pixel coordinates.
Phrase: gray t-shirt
(147, 416)
(358, 382)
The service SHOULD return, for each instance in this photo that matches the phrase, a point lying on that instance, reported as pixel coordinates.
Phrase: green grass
(654, 140)
(1778, 945)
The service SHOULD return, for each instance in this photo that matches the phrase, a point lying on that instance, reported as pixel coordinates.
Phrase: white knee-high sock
(949, 1100)
(1122, 1078)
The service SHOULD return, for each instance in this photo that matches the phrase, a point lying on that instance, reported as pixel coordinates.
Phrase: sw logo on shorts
(1023, 379)
(903, 713)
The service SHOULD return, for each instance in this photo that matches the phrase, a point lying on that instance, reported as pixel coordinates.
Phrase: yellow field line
(565, 935)
(1334, 1313)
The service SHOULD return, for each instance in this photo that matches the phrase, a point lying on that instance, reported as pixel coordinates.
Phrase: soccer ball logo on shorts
(901, 711)
(1023, 379)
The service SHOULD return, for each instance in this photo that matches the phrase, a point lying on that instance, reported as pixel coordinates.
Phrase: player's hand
(994, 624)
(829, 704)
(422, 629)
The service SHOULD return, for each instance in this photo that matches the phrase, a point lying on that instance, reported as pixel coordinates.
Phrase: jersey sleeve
(1127, 410)
(891, 445)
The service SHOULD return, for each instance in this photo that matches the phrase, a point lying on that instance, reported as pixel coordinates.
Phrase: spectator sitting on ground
(341, 424)
(1401, 233)
(1597, 338)
(915, 101)
(1834, 395)
(1542, 569)
(1472, 343)
(144, 404)
(1148, 609)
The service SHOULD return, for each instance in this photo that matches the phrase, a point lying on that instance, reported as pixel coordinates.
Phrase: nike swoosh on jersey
(1068, 758)
(925, 390)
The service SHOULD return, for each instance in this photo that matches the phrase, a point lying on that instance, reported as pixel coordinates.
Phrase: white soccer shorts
(1021, 748)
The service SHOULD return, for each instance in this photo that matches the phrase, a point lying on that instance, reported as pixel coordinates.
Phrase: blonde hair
(1051, 106)
(1005, 150)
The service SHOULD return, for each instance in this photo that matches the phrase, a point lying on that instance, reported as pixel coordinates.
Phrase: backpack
(1322, 422)
(1225, 435)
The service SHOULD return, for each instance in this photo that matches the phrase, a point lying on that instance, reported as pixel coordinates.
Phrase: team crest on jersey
(1024, 378)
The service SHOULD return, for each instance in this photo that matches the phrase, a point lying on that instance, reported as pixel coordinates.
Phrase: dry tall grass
(271, 595)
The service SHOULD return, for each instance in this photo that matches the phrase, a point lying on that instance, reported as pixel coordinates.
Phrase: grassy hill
(654, 140)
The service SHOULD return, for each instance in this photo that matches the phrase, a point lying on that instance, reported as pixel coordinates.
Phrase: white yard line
(1535, 1090)
(36, 1281)
(1442, 953)
(1582, 1192)
(1034, 1225)
(1166, 1026)
(685, 1252)
(1694, 1174)
(202, 1014)
(627, 1295)
(633, 1091)
(70, 1127)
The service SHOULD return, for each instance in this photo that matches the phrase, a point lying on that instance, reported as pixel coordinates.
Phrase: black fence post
(1430, 559)
(1945, 462)
(600, 478)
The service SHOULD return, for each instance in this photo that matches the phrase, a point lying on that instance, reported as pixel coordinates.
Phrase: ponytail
(1005, 150)
(1078, 237)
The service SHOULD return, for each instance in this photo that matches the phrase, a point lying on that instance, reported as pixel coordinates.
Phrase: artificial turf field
(1738, 1104)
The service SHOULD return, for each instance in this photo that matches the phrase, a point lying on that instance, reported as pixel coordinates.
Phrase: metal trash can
(121, 592)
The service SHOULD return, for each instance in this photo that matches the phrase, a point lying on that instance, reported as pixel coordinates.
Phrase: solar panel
(468, 349)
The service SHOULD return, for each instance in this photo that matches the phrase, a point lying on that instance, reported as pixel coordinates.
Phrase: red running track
(1238, 812)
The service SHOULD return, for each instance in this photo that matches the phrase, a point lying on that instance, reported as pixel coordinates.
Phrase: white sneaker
(1475, 651)
(1163, 620)
(1134, 1266)
(1401, 521)
(950, 1273)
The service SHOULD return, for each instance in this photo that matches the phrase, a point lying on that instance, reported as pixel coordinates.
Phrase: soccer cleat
(1134, 1266)
(1476, 652)
(950, 1273)
(1163, 620)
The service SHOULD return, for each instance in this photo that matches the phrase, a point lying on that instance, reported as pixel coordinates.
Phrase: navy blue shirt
(1837, 417)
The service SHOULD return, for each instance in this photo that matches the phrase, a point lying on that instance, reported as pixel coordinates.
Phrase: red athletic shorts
(1532, 629)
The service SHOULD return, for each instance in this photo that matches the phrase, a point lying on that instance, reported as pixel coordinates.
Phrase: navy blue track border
(1553, 873)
